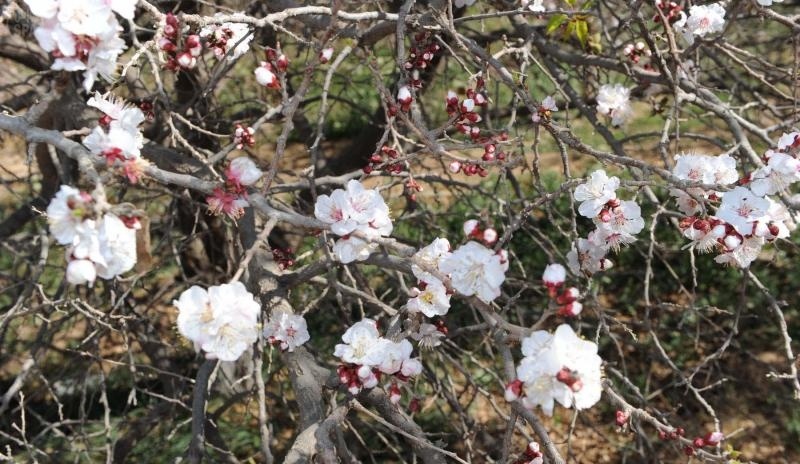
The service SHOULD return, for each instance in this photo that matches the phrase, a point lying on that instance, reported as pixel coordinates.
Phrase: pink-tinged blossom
(242, 172)
(354, 210)
(367, 355)
(230, 40)
(126, 115)
(789, 141)
(228, 203)
(614, 101)
(593, 194)
(431, 301)
(702, 21)
(618, 225)
(740, 208)
(287, 330)
(118, 144)
(476, 270)
(742, 255)
(546, 108)
(703, 233)
(243, 136)
(82, 35)
(777, 223)
(587, 257)
(471, 228)
(686, 200)
(695, 168)
(335, 209)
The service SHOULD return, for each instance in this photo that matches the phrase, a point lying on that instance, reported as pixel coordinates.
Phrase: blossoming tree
(444, 230)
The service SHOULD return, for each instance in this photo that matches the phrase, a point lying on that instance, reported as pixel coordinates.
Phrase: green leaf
(555, 22)
(569, 30)
(582, 31)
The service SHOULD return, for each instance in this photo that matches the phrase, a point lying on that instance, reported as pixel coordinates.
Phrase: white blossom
(475, 270)
(243, 171)
(432, 301)
(65, 213)
(777, 175)
(554, 275)
(350, 249)
(534, 5)
(561, 368)
(361, 344)
(117, 245)
(81, 271)
(593, 194)
(614, 100)
(222, 321)
(393, 355)
(428, 258)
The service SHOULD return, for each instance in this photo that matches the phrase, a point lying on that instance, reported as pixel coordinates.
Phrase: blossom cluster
(554, 277)
(391, 166)
(82, 35)
(267, 72)
(243, 136)
(466, 111)
(230, 40)
(182, 53)
(99, 242)
(367, 356)
(231, 199)
(746, 217)
(221, 321)
(617, 222)
(354, 210)
(286, 330)
(118, 136)
(559, 367)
